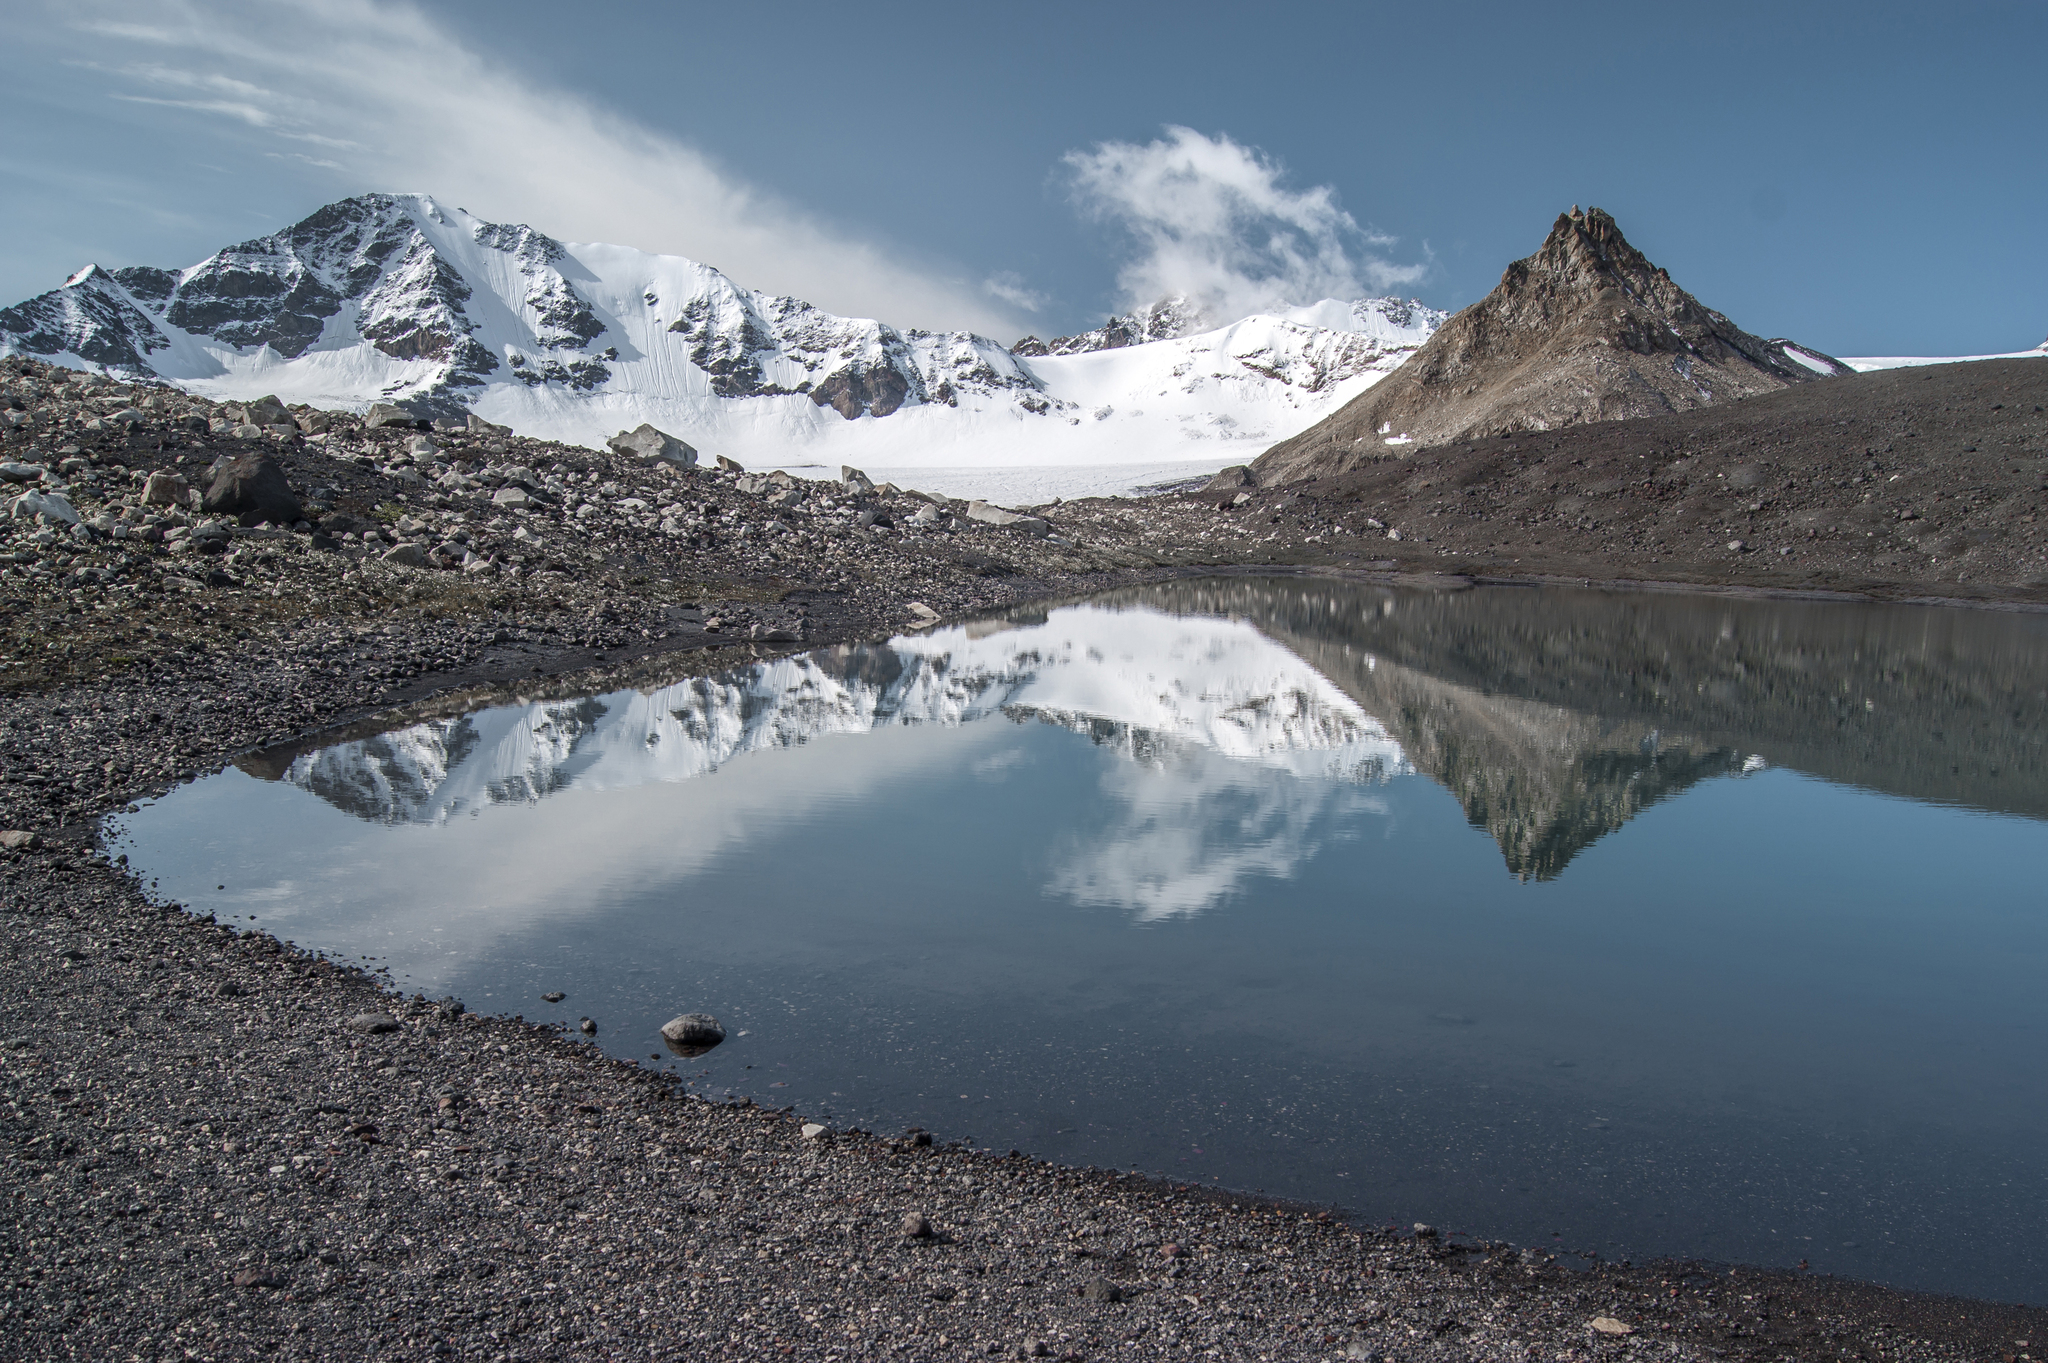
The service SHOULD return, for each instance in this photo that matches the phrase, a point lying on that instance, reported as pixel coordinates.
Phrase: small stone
(587, 1027)
(916, 1227)
(1608, 1325)
(374, 1023)
(1424, 1231)
(1738, 545)
(257, 1277)
(1102, 1289)
(1172, 1251)
(15, 839)
(1035, 1348)
(812, 1131)
(554, 996)
(692, 1034)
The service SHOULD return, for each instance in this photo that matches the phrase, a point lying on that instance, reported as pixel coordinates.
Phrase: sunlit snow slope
(403, 299)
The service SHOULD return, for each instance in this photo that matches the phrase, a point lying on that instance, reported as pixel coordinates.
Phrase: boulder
(511, 496)
(656, 447)
(479, 426)
(253, 487)
(726, 465)
(692, 1034)
(55, 507)
(406, 556)
(21, 473)
(995, 515)
(1236, 476)
(853, 480)
(166, 490)
(384, 414)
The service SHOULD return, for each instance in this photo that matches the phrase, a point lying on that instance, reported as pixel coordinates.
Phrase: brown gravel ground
(204, 1160)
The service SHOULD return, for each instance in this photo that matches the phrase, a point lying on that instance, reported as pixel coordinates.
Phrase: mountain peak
(1586, 329)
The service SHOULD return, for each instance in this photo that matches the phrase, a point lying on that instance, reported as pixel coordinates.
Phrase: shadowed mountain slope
(1587, 329)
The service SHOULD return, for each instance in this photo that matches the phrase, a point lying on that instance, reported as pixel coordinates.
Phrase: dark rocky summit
(1587, 329)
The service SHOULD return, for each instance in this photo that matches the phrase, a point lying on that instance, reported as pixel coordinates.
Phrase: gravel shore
(220, 1147)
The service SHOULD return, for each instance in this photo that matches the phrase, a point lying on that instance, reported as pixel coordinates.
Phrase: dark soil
(204, 1159)
(1908, 483)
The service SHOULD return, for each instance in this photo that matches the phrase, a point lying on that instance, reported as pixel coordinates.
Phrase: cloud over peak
(1213, 220)
(395, 101)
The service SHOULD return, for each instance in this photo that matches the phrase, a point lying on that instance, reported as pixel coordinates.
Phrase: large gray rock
(645, 442)
(995, 515)
(165, 489)
(253, 487)
(692, 1034)
(1236, 476)
(384, 414)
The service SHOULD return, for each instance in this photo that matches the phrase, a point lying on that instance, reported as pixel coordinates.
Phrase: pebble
(915, 1226)
(587, 1027)
(1102, 1289)
(374, 1023)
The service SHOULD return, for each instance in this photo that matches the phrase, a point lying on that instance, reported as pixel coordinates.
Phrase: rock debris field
(217, 1146)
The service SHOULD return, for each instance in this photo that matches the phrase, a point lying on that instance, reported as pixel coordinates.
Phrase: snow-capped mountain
(1148, 683)
(398, 298)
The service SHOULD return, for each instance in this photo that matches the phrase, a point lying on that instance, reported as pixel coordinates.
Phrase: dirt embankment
(1926, 482)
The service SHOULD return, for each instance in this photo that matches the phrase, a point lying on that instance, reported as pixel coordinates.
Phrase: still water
(1634, 924)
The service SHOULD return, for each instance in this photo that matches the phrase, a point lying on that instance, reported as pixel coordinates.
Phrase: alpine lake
(1625, 924)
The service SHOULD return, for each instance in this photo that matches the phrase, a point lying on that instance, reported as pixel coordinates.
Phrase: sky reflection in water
(1648, 925)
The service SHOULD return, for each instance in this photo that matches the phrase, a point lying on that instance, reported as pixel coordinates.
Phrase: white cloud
(403, 105)
(1009, 286)
(1213, 220)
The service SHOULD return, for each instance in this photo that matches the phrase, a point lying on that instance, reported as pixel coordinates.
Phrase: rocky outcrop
(1162, 321)
(1587, 329)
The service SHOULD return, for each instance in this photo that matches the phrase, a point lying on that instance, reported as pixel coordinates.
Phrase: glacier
(400, 298)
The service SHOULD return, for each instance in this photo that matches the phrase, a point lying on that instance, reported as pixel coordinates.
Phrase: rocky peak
(1161, 321)
(1586, 329)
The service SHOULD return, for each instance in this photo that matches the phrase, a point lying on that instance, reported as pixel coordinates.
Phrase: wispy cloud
(1214, 220)
(1010, 287)
(398, 102)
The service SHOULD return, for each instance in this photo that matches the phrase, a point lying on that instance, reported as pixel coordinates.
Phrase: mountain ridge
(398, 298)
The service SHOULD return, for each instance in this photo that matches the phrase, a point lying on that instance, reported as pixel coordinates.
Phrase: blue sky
(1867, 179)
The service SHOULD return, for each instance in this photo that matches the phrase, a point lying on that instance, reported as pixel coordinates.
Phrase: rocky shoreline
(208, 1156)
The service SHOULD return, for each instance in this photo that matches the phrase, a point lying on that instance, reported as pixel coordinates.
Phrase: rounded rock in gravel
(915, 1226)
(587, 1027)
(374, 1023)
(692, 1034)
(1102, 1289)
(812, 1131)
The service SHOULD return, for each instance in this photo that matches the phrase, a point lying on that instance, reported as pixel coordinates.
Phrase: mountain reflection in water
(1552, 727)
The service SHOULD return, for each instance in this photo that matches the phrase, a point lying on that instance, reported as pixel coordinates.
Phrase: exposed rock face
(1587, 329)
(1162, 321)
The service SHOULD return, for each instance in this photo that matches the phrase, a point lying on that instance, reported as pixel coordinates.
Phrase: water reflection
(1552, 728)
